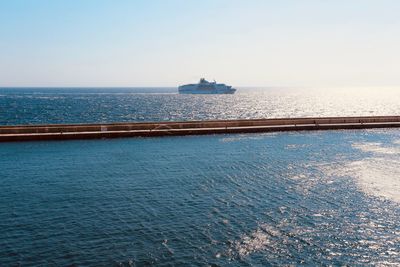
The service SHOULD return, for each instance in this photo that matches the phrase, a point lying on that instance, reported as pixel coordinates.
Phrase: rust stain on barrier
(149, 129)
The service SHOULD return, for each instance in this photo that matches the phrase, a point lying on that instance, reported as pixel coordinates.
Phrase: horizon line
(238, 86)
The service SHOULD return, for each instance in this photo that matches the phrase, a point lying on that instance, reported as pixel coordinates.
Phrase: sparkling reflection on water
(229, 200)
(40, 106)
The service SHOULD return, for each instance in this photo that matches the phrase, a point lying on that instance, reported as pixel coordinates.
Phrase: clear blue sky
(169, 42)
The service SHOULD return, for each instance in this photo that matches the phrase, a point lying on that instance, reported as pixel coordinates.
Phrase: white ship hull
(204, 87)
(203, 91)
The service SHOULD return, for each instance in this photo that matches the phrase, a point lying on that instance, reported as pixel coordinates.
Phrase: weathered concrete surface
(149, 129)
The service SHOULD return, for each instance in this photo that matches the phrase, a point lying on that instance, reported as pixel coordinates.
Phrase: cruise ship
(206, 87)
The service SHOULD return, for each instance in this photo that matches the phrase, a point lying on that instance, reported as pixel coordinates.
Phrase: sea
(315, 198)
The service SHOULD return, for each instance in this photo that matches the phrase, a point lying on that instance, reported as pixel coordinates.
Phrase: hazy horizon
(158, 43)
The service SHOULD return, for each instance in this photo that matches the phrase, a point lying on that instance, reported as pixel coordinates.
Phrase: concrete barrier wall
(108, 130)
(189, 124)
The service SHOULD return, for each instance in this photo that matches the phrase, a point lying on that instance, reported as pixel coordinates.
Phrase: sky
(172, 42)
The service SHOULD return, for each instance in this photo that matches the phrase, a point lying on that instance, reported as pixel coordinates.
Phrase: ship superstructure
(206, 87)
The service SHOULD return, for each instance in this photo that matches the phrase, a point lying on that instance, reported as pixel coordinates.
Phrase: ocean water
(299, 198)
(302, 198)
(80, 105)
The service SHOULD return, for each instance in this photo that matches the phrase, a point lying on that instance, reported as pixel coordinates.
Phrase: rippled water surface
(301, 198)
(311, 198)
(79, 105)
